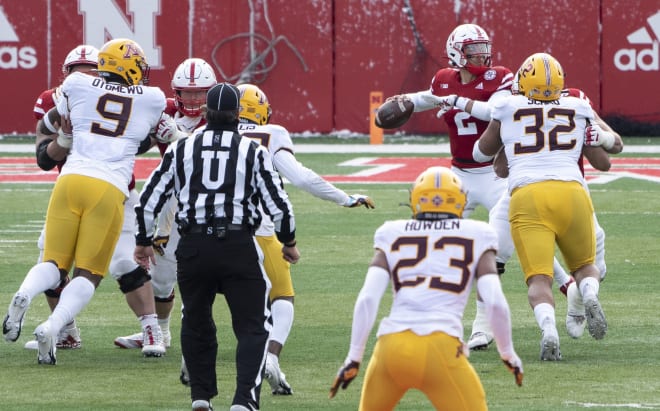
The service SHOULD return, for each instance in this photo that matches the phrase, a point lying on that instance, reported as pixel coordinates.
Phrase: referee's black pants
(206, 266)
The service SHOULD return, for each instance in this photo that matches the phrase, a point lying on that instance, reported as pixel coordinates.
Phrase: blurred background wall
(318, 60)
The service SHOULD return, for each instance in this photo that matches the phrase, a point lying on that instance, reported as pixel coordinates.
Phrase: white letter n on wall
(103, 20)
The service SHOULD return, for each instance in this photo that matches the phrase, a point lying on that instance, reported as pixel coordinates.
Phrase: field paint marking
(610, 406)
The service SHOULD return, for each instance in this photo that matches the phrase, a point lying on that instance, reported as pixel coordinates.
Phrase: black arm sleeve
(43, 159)
(145, 145)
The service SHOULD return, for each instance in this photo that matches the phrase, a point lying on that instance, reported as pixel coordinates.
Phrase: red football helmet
(191, 80)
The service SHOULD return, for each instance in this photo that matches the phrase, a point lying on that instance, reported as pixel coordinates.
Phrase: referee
(219, 179)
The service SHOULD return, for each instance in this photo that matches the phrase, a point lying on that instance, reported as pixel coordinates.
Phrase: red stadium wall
(318, 61)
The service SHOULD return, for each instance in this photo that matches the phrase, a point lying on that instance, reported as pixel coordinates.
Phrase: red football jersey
(465, 130)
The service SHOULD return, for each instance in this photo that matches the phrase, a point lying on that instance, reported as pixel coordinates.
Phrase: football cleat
(550, 345)
(152, 341)
(69, 339)
(596, 321)
(201, 405)
(13, 322)
(575, 315)
(47, 344)
(276, 378)
(130, 341)
(135, 340)
(479, 341)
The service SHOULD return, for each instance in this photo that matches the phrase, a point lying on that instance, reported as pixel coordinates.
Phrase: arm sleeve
(304, 178)
(497, 313)
(366, 309)
(419, 102)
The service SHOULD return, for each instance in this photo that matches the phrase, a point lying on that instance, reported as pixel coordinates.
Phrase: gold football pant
(434, 364)
(277, 268)
(550, 212)
(83, 223)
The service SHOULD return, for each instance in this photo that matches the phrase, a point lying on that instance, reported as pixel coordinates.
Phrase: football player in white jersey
(432, 262)
(104, 120)
(543, 136)
(255, 115)
(191, 80)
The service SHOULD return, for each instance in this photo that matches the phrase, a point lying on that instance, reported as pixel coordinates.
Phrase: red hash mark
(358, 170)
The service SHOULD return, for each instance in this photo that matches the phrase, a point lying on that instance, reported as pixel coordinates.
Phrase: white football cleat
(152, 341)
(47, 344)
(69, 339)
(575, 315)
(596, 321)
(129, 341)
(276, 377)
(550, 345)
(13, 322)
(479, 341)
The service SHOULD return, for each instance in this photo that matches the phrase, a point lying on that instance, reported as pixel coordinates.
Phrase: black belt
(209, 229)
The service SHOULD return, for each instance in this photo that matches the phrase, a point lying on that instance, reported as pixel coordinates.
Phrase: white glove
(595, 136)
(445, 103)
(357, 200)
(166, 131)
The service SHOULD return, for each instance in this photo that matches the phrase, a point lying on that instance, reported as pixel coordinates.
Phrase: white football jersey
(542, 140)
(432, 266)
(109, 123)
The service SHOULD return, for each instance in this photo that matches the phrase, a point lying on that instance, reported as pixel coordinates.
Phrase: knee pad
(166, 299)
(133, 280)
(55, 293)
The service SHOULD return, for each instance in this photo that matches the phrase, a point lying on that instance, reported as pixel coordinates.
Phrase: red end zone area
(359, 170)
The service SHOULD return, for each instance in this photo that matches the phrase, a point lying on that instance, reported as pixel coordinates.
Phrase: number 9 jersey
(432, 265)
(109, 122)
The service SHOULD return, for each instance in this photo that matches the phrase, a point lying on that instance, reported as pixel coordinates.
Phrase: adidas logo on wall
(14, 56)
(645, 59)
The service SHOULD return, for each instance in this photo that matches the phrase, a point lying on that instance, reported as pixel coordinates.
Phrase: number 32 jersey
(432, 265)
(109, 121)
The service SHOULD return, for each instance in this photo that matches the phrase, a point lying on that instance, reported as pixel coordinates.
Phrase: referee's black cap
(223, 97)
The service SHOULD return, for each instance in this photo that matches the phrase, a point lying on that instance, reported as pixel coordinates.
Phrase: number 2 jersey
(109, 121)
(432, 265)
(464, 129)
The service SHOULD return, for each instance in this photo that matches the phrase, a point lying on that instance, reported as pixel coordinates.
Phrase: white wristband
(607, 140)
(64, 140)
(461, 103)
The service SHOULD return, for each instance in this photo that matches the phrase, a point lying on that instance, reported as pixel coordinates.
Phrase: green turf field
(618, 373)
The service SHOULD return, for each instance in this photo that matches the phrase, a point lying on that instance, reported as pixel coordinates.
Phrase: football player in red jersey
(463, 93)
(190, 82)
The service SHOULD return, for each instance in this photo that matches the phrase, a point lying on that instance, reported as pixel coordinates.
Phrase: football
(394, 113)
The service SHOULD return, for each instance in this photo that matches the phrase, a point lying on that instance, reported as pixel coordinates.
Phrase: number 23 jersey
(432, 265)
(109, 122)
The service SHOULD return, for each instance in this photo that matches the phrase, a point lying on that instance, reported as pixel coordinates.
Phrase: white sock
(75, 296)
(480, 323)
(589, 288)
(282, 312)
(559, 274)
(41, 277)
(148, 320)
(164, 324)
(545, 315)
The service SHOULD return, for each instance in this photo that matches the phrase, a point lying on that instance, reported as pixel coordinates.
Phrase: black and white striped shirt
(216, 173)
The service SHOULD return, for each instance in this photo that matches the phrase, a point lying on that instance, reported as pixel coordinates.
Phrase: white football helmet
(196, 75)
(83, 54)
(466, 41)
